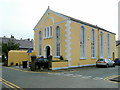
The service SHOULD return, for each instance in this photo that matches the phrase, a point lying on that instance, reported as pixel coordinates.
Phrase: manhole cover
(116, 79)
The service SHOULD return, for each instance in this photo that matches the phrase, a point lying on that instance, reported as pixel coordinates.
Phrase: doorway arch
(47, 51)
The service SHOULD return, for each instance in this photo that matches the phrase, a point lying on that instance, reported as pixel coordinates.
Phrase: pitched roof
(23, 43)
(117, 42)
(75, 20)
(79, 21)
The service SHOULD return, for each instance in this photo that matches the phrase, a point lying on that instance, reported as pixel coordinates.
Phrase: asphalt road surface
(87, 77)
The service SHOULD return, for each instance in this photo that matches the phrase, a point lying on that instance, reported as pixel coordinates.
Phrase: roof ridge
(80, 21)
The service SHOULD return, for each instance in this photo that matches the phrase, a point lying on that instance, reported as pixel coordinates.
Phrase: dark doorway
(47, 51)
(113, 56)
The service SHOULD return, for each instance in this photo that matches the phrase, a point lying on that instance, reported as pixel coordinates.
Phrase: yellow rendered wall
(17, 56)
(59, 64)
(50, 41)
(118, 51)
(75, 41)
(75, 45)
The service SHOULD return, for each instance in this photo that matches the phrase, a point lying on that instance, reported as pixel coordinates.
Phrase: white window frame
(108, 44)
(101, 44)
(93, 44)
(57, 42)
(83, 39)
(48, 32)
(40, 43)
(45, 33)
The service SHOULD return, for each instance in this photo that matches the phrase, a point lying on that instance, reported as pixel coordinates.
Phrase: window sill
(93, 57)
(83, 58)
(47, 37)
(39, 55)
(56, 56)
(109, 57)
(101, 57)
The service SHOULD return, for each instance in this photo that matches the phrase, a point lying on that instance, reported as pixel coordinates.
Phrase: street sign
(29, 51)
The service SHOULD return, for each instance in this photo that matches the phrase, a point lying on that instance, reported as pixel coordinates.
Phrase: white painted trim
(50, 17)
(73, 66)
(109, 53)
(94, 43)
(84, 41)
(93, 57)
(41, 18)
(58, 14)
(68, 42)
(82, 58)
(39, 43)
(56, 56)
(101, 56)
(45, 50)
(60, 22)
(37, 29)
(60, 68)
(82, 65)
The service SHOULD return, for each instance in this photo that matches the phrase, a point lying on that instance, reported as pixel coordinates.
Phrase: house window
(39, 43)
(57, 41)
(82, 43)
(108, 40)
(101, 45)
(45, 33)
(50, 31)
(93, 44)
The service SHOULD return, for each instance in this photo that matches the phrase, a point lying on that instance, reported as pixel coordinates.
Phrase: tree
(6, 47)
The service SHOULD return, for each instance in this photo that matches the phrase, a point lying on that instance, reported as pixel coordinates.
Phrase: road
(87, 77)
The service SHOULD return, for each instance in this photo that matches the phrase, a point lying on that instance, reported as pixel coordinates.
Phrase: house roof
(88, 24)
(24, 43)
(73, 19)
(117, 42)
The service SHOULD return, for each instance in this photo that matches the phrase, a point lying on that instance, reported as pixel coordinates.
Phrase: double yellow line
(10, 85)
(110, 77)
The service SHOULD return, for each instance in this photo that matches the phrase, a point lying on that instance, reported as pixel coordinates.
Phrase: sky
(19, 17)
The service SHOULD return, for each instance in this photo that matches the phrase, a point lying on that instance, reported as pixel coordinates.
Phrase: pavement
(46, 70)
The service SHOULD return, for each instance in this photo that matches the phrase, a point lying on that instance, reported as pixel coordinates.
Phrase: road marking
(7, 84)
(110, 77)
(87, 77)
(11, 85)
(68, 74)
(98, 78)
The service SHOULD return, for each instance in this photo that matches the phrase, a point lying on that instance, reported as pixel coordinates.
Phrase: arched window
(57, 41)
(93, 43)
(108, 42)
(50, 31)
(101, 45)
(45, 33)
(82, 43)
(40, 43)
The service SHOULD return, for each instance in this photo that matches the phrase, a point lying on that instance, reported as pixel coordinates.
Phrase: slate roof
(117, 42)
(85, 23)
(24, 44)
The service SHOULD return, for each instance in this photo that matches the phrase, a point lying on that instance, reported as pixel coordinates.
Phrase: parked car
(117, 61)
(105, 62)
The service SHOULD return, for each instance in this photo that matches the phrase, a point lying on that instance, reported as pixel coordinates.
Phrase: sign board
(29, 51)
